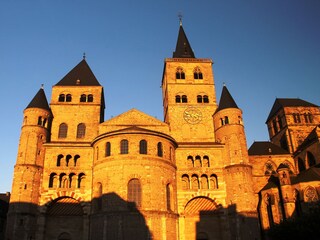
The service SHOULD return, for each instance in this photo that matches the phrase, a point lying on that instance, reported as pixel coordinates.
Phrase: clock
(192, 115)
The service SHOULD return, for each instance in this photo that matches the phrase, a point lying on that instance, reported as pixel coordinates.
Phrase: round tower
(28, 170)
(229, 131)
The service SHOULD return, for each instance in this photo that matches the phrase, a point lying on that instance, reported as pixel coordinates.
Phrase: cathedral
(134, 177)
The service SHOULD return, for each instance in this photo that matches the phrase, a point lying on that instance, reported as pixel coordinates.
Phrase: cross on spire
(180, 18)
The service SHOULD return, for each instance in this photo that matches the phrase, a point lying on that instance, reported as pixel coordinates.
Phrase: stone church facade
(133, 176)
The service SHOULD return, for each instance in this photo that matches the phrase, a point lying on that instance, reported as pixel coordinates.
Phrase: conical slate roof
(226, 100)
(39, 101)
(80, 75)
(183, 47)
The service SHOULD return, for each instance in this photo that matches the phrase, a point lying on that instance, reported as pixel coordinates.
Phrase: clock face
(192, 115)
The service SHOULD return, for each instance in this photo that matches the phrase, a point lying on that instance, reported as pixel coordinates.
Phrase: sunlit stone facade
(133, 176)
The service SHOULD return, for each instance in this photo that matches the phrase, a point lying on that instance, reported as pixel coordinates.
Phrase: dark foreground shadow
(66, 218)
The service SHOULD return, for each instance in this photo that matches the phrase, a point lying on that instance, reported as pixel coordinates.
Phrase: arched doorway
(202, 220)
(64, 220)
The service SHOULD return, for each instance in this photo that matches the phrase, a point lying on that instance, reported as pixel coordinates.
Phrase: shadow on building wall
(227, 223)
(107, 217)
(4, 206)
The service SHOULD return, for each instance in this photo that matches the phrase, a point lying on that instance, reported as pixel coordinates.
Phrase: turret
(28, 170)
(229, 130)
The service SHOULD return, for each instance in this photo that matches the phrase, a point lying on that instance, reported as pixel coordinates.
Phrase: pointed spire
(226, 100)
(183, 47)
(39, 100)
(80, 75)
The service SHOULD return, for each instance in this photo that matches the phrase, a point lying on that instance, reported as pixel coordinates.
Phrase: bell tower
(77, 103)
(188, 92)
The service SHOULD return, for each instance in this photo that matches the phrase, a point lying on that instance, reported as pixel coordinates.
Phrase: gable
(133, 118)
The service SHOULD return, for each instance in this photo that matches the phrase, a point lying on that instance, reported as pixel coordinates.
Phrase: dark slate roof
(311, 138)
(80, 72)
(273, 182)
(266, 148)
(309, 175)
(226, 100)
(39, 101)
(288, 102)
(183, 47)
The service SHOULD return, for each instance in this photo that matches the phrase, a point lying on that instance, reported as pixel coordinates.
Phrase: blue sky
(261, 50)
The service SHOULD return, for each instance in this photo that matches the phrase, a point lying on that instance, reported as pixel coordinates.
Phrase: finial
(42, 86)
(180, 18)
(224, 84)
(84, 56)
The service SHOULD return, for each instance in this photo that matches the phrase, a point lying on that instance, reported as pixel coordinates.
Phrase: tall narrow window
(134, 191)
(185, 182)
(53, 180)
(199, 99)
(124, 146)
(81, 130)
(81, 180)
(197, 74)
(143, 147)
(226, 120)
(204, 182)
(68, 157)
(274, 124)
(160, 150)
(62, 98)
(205, 99)
(180, 73)
(108, 149)
(168, 195)
(59, 160)
(68, 98)
(63, 130)
(75, 158)
(311, 159)
(178, 98)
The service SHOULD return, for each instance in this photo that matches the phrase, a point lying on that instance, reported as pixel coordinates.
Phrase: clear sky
(261, 49)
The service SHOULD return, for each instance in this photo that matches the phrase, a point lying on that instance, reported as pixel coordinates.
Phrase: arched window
(90, 98)
(53, 180)
(124, 146)
(226, 120)
(199, 99)
(68, 98)
(63, 180)
(160, 150)
(197, 74)
(197, 161)
(269, 169)
(134, 191)
(76, 157)
(81, 179)
(72, 180)
(143, 148)
(184, 99)
(59, 160)
(311, 159)
(180, 73)
(190, 162)
(81, 130)
(205, 99)
(83, 98)
(108, 149)
(68, 157)
(63, 130)
(205, 162)
(178, 98)
(195, 182)
(185, 182)
(213, 181)
(204, 182)
(62, 98)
